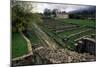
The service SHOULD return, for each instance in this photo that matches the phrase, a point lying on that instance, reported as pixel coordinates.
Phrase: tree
(47, 12)
(22, 17)
(54, 12)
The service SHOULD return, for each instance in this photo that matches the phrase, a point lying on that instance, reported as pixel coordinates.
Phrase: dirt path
(45, 38)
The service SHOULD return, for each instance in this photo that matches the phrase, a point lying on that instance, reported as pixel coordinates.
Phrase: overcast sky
(87, 2)
(39, 7)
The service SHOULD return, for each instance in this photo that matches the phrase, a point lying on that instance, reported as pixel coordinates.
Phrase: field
(81, 22)
(66, 31)
(19, 45)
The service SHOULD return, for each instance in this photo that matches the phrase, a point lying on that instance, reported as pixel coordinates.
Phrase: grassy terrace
(75, 36)
(54, 36)
(86, 27)
(19, 45)
(67, 33)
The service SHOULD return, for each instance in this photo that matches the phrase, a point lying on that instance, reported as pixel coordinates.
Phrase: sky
(86, 2)
(62, 7)
(39, 7)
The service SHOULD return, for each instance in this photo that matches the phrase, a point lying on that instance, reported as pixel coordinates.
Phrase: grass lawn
(19, 45)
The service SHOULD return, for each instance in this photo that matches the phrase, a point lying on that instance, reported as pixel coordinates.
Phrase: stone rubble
(64, 56)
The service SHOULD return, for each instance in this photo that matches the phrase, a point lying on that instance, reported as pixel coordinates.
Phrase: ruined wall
(86, 45)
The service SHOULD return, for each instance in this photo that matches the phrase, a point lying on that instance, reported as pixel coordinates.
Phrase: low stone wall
(21, 57)
(28, 44)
